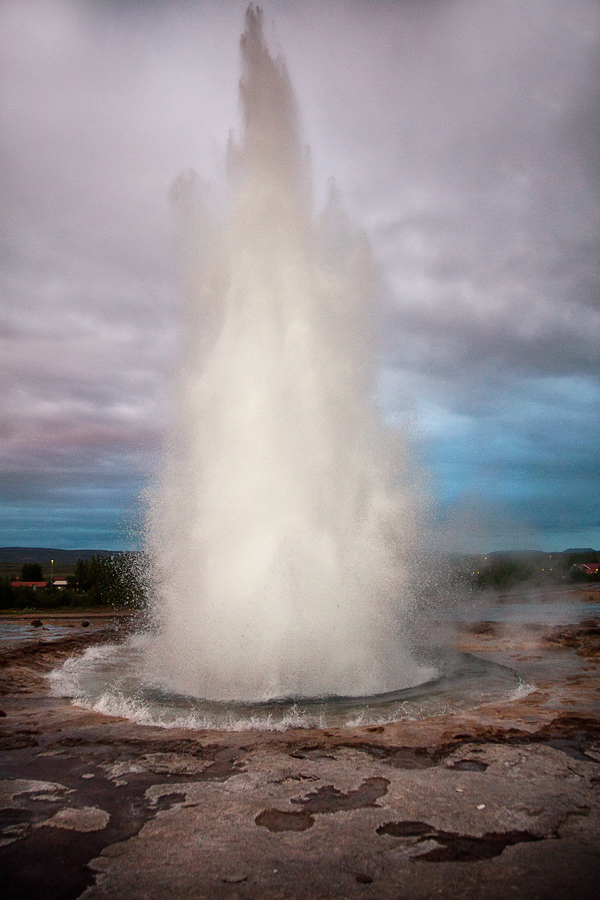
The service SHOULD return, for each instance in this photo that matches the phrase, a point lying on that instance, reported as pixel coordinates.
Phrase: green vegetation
(586, 556)
(110, 580)
(118, 580)
(31, 572)
(504, 571)
(121, 580)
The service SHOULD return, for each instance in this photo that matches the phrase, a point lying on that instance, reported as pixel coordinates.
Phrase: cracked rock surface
(282, 819)
(501, 801)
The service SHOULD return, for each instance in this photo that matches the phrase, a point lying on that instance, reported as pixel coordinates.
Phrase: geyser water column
(284, 522)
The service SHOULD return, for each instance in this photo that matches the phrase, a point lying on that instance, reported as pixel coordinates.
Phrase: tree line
(505, 571)
(104, 580)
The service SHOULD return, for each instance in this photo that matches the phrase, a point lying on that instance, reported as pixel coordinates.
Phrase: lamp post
(51, 572)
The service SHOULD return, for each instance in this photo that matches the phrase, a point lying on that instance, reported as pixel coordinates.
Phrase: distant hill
(531, 553)
(518, 553)
(18, 555)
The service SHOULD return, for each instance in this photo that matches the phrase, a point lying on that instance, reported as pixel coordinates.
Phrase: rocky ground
(496, 802)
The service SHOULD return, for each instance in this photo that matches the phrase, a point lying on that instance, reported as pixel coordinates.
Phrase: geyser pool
(286, 519)
(111, 679)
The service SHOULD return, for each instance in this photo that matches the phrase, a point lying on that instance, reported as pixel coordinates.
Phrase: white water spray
(282, 532)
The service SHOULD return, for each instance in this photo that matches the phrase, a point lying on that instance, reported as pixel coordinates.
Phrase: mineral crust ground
(497, 802)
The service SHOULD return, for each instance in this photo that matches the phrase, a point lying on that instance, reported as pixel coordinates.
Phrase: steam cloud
(464, 137)
(283, 532)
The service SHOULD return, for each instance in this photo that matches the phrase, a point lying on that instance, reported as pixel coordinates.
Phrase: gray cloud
(464, 137)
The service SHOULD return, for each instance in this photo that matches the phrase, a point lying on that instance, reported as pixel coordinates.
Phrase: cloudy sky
(465, 138)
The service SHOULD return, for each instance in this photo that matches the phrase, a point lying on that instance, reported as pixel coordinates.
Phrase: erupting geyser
(282, 530)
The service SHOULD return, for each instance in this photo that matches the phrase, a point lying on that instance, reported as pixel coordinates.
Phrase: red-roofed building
(28, 584)
(588, 568)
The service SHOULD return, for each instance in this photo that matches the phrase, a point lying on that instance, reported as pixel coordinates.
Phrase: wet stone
(464, 848)
(401, 757)
(184, 827)
(83, 818)
(166, 801)
(285, 820)
(329, 800)
(17, 741)
(311, 753)
(405, 829)
(454, 847)
(469, 765)
(235, 877)
(14, 823)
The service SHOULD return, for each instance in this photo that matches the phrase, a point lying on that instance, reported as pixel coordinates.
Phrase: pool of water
(544, 610)
(21, 631)
(110, 680)
(562, 606)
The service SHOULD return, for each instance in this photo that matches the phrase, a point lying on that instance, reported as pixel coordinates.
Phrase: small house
(34, 585)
